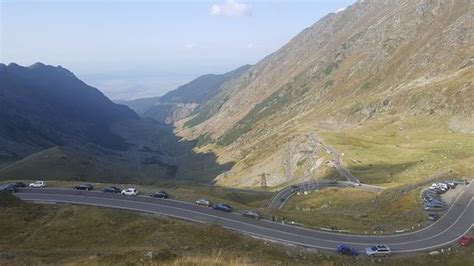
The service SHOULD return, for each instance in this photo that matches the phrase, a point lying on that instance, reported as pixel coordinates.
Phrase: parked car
(444, 185)
(19, 184)
(111, 190)
(223, 207)
(430, 196)
(433, 216)
(465, 241)
(252, 214)
(346, 250)
(434, 208)
(434, 204)
(451, 184)
(431, 192)
(378, 251)
(460, 182)
(159, 194)
(440, 186)
(433, 201)
(83, 187)
(435, 191)
(130, 192)
(9, 188)
(204, 202)
(38, 184)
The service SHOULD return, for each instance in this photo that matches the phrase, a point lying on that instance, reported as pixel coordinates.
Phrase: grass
(61, 234)
(56, 163)
(356, 210)
(394, 152)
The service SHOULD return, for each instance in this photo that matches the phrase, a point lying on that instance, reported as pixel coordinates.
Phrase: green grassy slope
(56, 163)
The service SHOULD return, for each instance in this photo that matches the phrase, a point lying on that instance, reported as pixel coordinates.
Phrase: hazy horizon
(142, 49)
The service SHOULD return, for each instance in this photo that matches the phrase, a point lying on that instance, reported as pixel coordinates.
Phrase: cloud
(231, 8)
(190, 46)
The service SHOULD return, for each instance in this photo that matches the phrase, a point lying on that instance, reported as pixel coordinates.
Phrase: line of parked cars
(227, 208)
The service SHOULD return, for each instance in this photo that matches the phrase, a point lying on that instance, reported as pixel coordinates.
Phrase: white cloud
(231, 8)
(190, 46)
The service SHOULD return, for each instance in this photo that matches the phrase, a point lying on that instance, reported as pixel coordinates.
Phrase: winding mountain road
(338, 162)
(455, 223)
(282, 196)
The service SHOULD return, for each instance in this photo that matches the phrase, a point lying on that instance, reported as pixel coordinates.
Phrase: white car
(440, 186)
(204, 202)
(38, 184)
(130, 192)
(378, 250)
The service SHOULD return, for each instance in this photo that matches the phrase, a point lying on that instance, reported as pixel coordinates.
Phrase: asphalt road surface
(448, 229)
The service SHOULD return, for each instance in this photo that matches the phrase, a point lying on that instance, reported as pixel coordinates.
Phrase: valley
(353, 133)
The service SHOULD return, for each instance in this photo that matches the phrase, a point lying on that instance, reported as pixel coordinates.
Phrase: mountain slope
(182, 101)
(203, 88)
(44, 106)
(140, 105)
(375, 61)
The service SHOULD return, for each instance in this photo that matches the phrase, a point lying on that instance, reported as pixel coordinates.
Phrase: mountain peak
(37, 65)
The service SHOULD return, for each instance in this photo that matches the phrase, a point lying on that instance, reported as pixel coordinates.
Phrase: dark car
(9, 188)
(19, 184)
(451, 184)
(431, 198)
(433, 201)
(460, 182)
(433, 216)
(159, 194)
(223, 207)
(434, 207)
(437, 190)
(83, 187)
(431, 192)
(346, 250)
(252, 214)
(111, 190)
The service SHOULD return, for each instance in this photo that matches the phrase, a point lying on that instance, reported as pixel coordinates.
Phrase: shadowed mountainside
(44, 106)
(54, 126)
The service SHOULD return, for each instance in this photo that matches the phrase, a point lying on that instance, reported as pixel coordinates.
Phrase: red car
(465, 241)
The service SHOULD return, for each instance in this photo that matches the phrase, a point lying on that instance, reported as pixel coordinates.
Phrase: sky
(133, 49)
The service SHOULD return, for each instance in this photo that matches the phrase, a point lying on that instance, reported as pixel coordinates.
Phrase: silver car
(204, 202)
(378, 251)
(252, 214)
